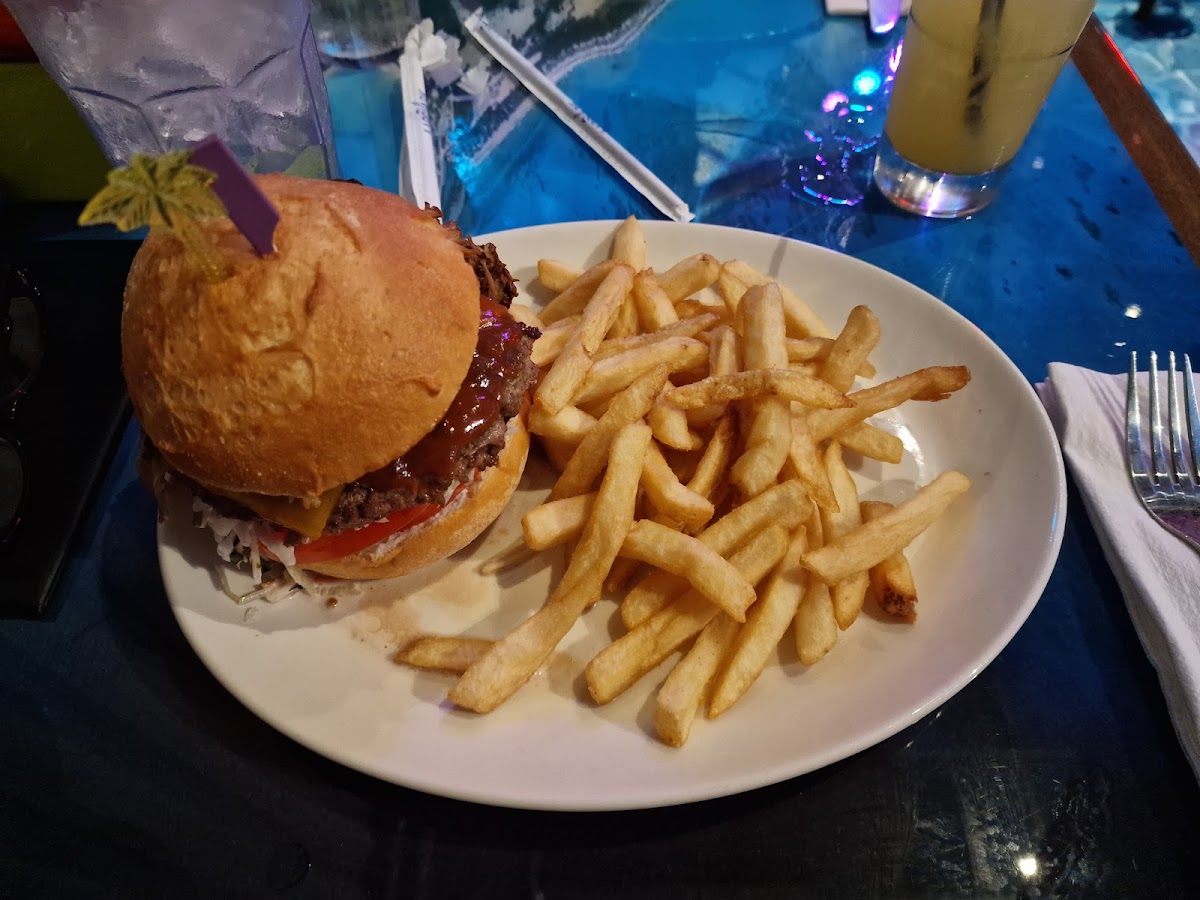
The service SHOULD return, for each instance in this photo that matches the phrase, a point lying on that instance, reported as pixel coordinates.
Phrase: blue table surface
(126, 770)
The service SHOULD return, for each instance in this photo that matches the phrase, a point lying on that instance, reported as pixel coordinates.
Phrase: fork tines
(1178, 474)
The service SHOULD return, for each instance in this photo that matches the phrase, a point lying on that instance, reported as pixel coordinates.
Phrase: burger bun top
(307, 368)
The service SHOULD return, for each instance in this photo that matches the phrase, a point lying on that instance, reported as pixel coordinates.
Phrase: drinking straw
(626, 164)
(983, 63)
(418, 168)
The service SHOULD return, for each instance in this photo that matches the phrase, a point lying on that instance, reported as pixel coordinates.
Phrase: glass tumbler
(973, 75)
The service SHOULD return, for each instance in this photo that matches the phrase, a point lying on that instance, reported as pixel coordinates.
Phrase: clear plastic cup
(151, 76)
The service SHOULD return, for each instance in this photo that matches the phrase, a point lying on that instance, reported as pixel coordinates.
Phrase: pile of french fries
(703, 482)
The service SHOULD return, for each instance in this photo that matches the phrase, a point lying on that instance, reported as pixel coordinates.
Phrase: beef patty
(470, 436)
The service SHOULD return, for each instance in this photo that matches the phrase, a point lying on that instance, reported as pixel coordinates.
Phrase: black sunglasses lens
(23, 353)
(12, 487)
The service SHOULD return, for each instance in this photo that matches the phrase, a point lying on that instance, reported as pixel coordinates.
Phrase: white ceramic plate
(323, 676)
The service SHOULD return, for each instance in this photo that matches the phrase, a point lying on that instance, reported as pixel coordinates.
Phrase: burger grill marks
(469, 437)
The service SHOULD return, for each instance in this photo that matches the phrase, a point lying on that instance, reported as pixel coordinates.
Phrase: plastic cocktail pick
(164, 192)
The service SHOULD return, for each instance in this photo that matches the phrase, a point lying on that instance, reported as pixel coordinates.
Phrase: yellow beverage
(974, 74)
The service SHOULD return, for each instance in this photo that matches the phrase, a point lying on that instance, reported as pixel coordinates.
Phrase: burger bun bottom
(450, 530)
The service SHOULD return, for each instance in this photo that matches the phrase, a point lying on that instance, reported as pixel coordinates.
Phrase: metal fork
(1170, 487)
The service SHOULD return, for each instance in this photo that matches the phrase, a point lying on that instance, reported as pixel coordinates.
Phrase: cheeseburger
(351, 405)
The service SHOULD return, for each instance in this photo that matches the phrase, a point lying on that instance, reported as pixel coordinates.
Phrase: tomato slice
(352, 540)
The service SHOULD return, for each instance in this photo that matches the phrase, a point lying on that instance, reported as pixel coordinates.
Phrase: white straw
(627, 166)
(418, 169)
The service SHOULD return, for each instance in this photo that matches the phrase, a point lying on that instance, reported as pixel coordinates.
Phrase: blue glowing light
(867, 82)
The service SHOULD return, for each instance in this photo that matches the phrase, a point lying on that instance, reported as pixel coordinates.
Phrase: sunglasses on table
(21, 349)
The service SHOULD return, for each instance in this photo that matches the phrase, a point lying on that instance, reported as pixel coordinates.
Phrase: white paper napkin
(1158, 573)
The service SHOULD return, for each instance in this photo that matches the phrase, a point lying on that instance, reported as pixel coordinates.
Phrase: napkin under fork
(1159, 575)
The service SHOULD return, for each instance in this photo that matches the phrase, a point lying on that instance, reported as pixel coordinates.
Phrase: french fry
(783, 384)
(867, 440)
(552, 341)
(589, 457)
(815, 625)
(610, 375)
(629, 244)
(892, 582)
(669, 496)
(654, 307)
(670, 426)
(689, 275)
(443, 654)
(575, 297)
(625, 324)
(784, 504)
(526, 316)
(801, 320)
(568, 424)
(815, 628)
(690, 308)
(510, 661)
(766, 623)
(682, 462)
(848, 593)
(731, 290)
(603, 307)
(686, 328)
(696, 410)
(556, 522)
(851, 348)
(770, 425)
(682, 693)
(569, 370)
(621, 573)
(625, 568)
(811, 352)
(625, 660)
(715, 461)
(557, 276)
(809, 349)
(806, 461)
(654, 592)
(705, 570)
(596, 408)
(873, 542)
(724, 358)
(930, 384)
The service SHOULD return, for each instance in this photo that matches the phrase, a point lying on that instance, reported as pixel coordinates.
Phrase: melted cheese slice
(288, 511)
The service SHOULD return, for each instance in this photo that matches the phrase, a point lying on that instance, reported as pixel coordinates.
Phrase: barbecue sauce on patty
(500, 358)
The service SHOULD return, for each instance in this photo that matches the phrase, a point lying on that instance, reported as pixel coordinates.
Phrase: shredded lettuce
(238, 541)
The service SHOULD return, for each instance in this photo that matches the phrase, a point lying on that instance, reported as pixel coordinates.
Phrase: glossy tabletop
(126, 770)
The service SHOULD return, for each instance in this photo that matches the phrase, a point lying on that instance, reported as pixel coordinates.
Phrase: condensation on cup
(149, 76)
(362, 30)
(972, 77)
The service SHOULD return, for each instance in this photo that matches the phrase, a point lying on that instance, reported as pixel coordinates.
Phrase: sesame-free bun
(307, 368)
(450, 530)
